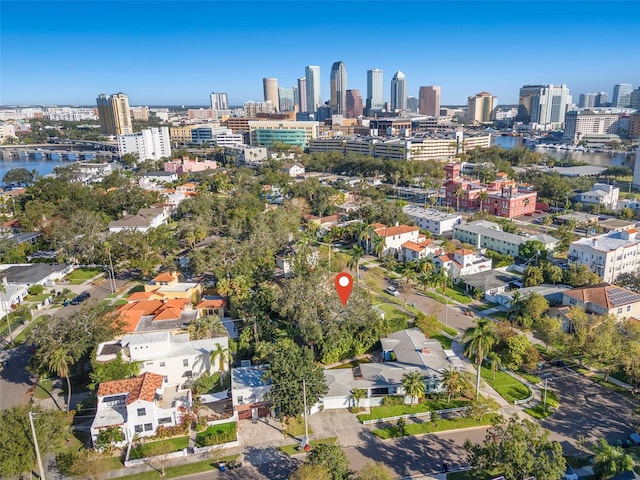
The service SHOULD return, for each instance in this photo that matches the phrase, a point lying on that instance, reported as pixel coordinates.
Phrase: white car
(392, 291)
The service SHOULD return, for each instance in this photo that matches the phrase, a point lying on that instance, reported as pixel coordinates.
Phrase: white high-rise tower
(314, 97)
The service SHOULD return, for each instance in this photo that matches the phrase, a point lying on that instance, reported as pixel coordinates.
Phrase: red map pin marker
(344, 284)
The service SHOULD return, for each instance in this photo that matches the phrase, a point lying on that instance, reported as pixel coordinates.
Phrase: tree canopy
(518, 449)
(289, 365)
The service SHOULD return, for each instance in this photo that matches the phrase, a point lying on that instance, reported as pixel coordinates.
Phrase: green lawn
(397, 318)
(177, 443)
(225, 432)
(552, 405)
(441, 425)
(291, 450)
(43, 389)
(530, 378)
(295, 427)
(507, 387)
(25, 332)
(37, 298)
(444, 340)
(425, 406)
(81, 275)
(596, 377)
(458, 296)
(179, 470)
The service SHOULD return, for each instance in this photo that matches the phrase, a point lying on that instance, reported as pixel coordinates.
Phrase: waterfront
(43, 167)
(590, 158)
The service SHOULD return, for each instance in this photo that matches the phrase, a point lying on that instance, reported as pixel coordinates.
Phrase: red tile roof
(212, 303)
(416, 247)
(605, 295)
(165, 277)
(399, 230)
(142, 387)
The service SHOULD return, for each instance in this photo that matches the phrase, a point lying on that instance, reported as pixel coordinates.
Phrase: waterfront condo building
(480, 108)
(609, 255)
(114, 114)
(149, 144)
(579, 124)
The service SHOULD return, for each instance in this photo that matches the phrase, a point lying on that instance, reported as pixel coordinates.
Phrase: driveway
(587, 409)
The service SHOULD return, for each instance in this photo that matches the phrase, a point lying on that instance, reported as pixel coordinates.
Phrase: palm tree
(378, 245)
(424, 280)
(453, 382)
(496, 363)
(223, 356)
(459, 192)
(425, 265)
(478, 341)
(483, 196)
(358, 394)
(59, 362)
(413, 385)
(357, 252)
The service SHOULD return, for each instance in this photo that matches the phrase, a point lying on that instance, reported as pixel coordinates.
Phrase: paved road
(587, 409)
(15, 381)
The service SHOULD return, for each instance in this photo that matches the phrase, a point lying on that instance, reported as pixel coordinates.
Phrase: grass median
(507, 387)
(441, 425)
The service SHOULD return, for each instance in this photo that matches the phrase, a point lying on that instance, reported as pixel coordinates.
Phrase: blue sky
(166, 52)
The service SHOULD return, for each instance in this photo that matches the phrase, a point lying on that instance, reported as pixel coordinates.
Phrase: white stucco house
(293, 169)
(250, 392)
(393, 237)
(175, 357)
(462, 262)
(138, 406)
(601, 194)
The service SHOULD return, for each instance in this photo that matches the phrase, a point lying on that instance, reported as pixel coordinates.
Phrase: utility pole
(544, 403)
(35, 444)
(306, 425)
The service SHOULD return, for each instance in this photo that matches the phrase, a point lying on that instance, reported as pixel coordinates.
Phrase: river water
(590, 158)
(43, 167)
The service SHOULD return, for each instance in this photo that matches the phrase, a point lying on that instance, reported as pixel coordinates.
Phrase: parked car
(80, 298)
(392, 291)
(569, 473)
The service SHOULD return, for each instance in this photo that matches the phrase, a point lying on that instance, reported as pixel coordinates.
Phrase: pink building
(185, 164)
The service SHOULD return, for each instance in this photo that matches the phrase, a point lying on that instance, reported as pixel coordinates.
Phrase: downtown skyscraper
(314, 96)
(429, 100)
(399, 92)
(219, 101)
(338, 100)
(270, 86)
(375, 90)
(621, 95)
(302, 95)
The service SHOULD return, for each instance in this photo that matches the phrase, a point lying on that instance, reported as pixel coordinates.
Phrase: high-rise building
(338, 102)
(219, 101)
(527, 92)
(587, 100)
(480, 108)
(149, 144)
(251, 109)
(579, 123)
(114, 114)
(287, 99)
(621, 95)
(314, 96)
(399, 91)
(429, 100)
(634, 101)
(602, 99)
(302, 95)
(354, 104)
(549, 106)
(270, 87)
(412, 104)
(375, 98)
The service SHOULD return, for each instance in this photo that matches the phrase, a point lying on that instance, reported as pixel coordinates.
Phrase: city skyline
(464, 47)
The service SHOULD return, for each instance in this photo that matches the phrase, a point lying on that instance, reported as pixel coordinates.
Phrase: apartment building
(434, 221)
(608, 255)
